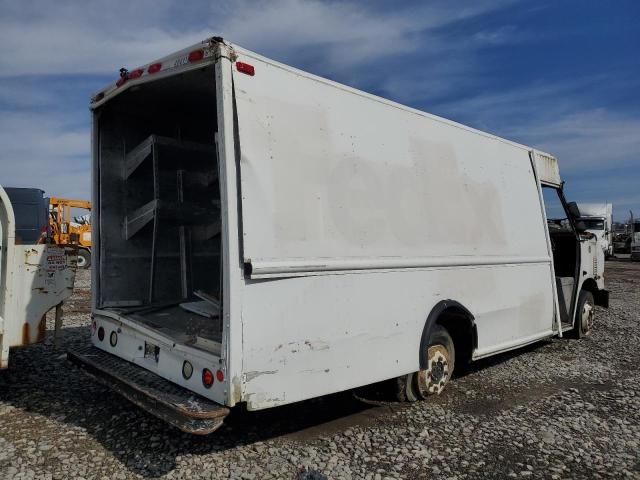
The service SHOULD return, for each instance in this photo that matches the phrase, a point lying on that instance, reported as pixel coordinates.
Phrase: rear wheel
(584, 314)
(84, 258)
(439, 360)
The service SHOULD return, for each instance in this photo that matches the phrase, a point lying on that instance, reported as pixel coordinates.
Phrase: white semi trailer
(264, 236)
(598, 219)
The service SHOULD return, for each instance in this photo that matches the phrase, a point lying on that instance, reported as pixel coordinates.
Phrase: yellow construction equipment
(66, 231)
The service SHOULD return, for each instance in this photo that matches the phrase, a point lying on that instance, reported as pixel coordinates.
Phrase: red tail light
(220, 375)
(121, 81)
(101, 334)
(196, 55)
(246, 68)
(207, 378)
(154, 67)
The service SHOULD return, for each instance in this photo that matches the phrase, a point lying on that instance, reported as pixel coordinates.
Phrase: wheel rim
(432, 380)
(586, 319)
(81, 262)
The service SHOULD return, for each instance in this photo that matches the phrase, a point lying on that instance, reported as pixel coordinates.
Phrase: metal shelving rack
(169, 155)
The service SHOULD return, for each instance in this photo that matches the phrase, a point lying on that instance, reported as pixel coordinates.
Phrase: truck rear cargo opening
(160, 206)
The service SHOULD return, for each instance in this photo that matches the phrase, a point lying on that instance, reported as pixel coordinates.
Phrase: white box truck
(264, 236)
(35, 276)
(598, 219)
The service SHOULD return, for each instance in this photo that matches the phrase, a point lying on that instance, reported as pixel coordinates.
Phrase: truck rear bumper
(175, 405)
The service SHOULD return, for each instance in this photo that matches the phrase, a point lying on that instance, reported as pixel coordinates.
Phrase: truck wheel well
(590, 285)
(601, 297)
(460, 324)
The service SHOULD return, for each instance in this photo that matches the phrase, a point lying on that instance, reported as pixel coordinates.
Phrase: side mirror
(580, 225)
(573, 209)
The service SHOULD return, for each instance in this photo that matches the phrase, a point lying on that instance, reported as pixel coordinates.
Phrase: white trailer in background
(336, 238)
(598, 219)
(34, 276)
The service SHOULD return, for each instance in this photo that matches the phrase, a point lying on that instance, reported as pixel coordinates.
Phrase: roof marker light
(154, 67)
(196, 55)
(246, 68)
(97, 97)
(136, 73)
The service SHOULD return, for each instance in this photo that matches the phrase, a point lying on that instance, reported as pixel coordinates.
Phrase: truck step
(566, 327)
(178, 406)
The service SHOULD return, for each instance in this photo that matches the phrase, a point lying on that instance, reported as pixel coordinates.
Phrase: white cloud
(39, 151)
(91, 37)
(556, 118)
(590, 140)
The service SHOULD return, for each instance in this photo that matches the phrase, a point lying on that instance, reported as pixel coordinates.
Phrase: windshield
(556, 216)
(593, 223)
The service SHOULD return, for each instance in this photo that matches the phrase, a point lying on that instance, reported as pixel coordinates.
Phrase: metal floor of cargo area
(183, 327)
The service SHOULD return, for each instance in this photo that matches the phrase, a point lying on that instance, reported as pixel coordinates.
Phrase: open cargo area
(160, 207)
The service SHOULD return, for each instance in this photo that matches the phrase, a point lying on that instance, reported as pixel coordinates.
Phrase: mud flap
(175, 405)
(601, 298)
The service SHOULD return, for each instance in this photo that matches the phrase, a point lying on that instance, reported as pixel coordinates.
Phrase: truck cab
(598, 220)
(578, 261)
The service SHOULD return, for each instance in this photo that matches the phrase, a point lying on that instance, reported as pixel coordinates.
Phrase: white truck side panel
(309, 336)
(332, 175)
(364, 214)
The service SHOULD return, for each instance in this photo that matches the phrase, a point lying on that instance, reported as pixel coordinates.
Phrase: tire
(583, 322)
(406, 388)
(84, 258)
(439, 358)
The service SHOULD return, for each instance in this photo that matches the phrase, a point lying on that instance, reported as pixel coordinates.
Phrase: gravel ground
(559, 409)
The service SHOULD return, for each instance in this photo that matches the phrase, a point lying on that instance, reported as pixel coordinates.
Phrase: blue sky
(562, 76)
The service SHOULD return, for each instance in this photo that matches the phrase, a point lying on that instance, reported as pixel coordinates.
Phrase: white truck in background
(635, 239)
(35, 276)
(265, 236)
(598, 218)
